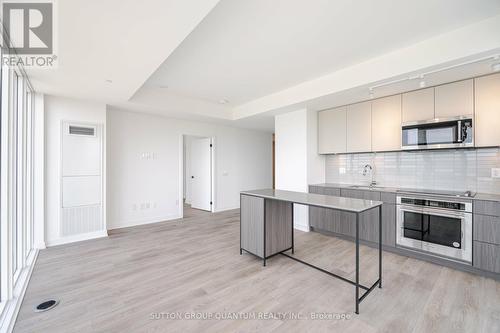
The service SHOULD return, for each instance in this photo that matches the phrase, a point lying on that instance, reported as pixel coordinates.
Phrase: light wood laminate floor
(124, 283)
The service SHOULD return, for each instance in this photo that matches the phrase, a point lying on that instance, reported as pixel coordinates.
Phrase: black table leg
(380, 246)
(264, 256)
(293, 246)
(357, 263)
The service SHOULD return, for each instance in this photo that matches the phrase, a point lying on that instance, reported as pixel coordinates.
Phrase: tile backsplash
(456, 170)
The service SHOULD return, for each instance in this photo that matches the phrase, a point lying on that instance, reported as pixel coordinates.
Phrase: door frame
(213, 182)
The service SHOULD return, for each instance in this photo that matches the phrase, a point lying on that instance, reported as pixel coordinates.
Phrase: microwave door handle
(459, 131)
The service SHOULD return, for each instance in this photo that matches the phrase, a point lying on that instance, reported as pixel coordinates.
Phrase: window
(17, 124)
(14, 177)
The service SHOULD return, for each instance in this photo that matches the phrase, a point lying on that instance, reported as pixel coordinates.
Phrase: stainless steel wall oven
(437, 225)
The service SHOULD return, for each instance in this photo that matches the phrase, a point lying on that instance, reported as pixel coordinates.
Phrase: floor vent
(46, 305)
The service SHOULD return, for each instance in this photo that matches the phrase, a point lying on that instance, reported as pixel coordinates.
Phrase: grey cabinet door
(345, 224)
(484, 207)
(316, 189)
(331, 220)
(389, 224)
(486, 256)
(368, 225)
(487, 229)
(388, 197)
(360, 194)
(324, 190)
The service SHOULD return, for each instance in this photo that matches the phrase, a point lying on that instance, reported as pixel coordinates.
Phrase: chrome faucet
(365, 171)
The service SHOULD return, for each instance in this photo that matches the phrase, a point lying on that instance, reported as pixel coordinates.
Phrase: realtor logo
(30, 32)
(29, 26)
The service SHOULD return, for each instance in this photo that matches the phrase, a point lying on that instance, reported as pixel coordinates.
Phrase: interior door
(201, 182)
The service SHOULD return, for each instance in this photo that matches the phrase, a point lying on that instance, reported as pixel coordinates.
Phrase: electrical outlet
(495, 172)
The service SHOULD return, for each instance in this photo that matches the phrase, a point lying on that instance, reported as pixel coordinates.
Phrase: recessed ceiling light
(495, 67)
(223, 101)
(109, 81)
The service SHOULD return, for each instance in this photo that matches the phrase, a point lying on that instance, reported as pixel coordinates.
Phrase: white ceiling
(120, 40)
(180, 57)
(244, 49)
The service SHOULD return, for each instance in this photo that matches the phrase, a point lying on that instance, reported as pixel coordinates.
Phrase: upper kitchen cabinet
(454, 99)
(386, 123)
(359, 127)
(487, 113)
(332, 131)
(418, 105)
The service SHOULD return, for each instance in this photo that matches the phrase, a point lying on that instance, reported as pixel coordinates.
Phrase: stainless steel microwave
(438, 133)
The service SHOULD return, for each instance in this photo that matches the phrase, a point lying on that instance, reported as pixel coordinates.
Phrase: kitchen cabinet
(418, 105)
(324, 190)
(386, 123)
(487, 229)
(487, 111)
(360, 194)
(359, 127)
(344, 223)
(486, 256)
(332, 131)
(454, 99)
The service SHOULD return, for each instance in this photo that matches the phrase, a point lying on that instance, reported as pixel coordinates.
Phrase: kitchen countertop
(318, 200)
(478, 196)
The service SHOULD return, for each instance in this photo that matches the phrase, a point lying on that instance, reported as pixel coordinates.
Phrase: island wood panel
(252, 224)
(278, 226)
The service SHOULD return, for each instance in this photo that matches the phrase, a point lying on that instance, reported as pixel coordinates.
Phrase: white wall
(58, 109)
(243, 161)
(315, 162)
(297, 161)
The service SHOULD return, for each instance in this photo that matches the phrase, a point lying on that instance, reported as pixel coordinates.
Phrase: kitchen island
(266, 226)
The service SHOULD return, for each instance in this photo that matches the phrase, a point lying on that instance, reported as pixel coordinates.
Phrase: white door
(201, 182)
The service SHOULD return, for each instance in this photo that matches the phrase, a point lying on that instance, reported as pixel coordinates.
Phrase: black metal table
(289, 197)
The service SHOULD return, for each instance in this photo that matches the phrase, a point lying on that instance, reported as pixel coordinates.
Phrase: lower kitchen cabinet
(389, 224)
(486, 256)
(486, 229)
(344, 223)
(333, 221)
(324, 190)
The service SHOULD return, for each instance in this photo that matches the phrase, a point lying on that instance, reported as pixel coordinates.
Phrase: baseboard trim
(220, 210)
(78, 238)
(128, 224)
(41, 246)
(304, 228)
(11, 310)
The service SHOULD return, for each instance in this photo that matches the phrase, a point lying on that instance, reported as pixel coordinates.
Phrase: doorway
(198, 175)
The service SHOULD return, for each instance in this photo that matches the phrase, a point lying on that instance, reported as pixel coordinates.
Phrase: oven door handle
(433, 211)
